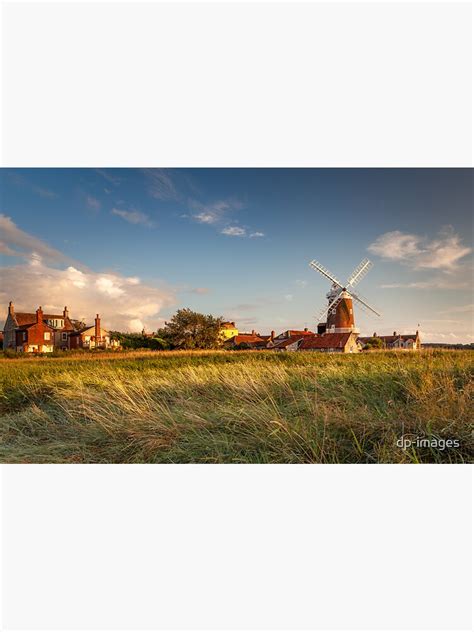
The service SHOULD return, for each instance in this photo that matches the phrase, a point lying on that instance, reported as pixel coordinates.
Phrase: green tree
(191, 330)
(374, 343)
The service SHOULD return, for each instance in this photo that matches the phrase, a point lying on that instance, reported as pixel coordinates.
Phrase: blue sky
(136, 244)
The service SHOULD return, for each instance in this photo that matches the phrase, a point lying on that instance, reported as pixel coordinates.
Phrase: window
(64, 335)
(24, 335)
(47, 335)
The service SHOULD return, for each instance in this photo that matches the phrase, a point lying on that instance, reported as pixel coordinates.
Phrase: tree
(374, 343)
(191, 330)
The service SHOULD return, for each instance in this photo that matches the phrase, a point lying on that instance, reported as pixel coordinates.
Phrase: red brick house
(39, 332)
(93, 337)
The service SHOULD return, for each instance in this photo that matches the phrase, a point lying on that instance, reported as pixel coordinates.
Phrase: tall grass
(241, 407)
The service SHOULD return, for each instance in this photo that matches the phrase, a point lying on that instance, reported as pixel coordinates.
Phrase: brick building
(40, 332)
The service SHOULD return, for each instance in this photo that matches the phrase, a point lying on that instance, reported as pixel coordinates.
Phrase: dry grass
(246, 407)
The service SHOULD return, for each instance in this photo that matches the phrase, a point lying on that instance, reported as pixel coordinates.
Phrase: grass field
(236, 407)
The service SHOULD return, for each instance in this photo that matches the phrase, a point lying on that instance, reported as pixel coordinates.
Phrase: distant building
(248, 341)
(294, 340)
(93, 337)
(39, 332)
(292, 343)
(228, 330)
(289, 333)
(407, 342)
(332, 343)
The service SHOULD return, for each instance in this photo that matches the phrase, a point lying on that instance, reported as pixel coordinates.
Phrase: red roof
(26, 319)
(297, 332)
(326, 341)
(248, 338)
(282, 344)
(389, 339)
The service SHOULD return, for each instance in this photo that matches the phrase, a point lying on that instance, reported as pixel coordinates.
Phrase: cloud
(160, 184)
(288, 297)
(301, 283)
(217, 213)
(213, 212)
(133, 217)
(459, 309)
(123, 305)
(6, 250)
(447, 337)
(447, 282)
(26, 243)
(113, 179)
(199, 290)
(44, 193)
(205, 218)
(233, 231)
(419, 252)
(49, 278)
(22, 181)
(93, 203)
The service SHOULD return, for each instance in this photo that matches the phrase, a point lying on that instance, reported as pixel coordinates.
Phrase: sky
(135, 245)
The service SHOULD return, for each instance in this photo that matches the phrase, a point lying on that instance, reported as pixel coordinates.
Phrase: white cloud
(6, 250)
(460, 281)
(213, 212)
(93, 203)
(257, 234)
(113, 179)
(47, 278)
(233, 231)
(288, 297)
(419, 252)
(26, 243)
(160, 184)
(301, 283)
(205, 218)
(133, 217)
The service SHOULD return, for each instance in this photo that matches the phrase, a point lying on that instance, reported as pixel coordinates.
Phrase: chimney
(65, 312)
(11, 310)
(39, 315)
(233, 324)
(253, 332)
(97, 327)
(272, 334)
(374, 335)
(394, 333)
(306, 329)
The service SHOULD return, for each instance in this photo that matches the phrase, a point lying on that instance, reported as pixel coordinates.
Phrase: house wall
(39, 337)
(61, 340)
(226, 334)
(9, 330)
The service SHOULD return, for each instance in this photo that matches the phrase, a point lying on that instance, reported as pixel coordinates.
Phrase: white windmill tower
(340, 309)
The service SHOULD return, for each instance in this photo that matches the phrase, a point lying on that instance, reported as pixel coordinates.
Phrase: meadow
(236, 407)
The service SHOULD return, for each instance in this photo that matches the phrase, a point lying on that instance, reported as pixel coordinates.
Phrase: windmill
(339, 310)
